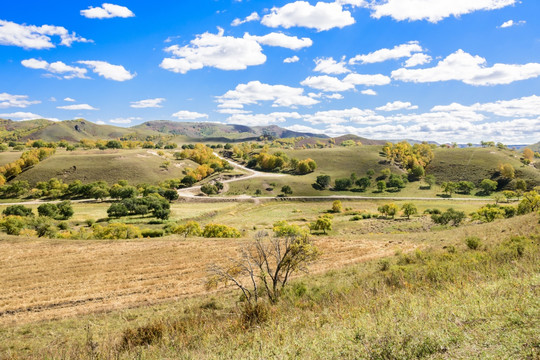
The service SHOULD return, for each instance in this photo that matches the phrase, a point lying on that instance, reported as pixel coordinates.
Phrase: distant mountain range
(76, 130)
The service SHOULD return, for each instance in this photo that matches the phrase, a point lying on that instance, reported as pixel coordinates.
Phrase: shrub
(342, 184)
(141, 336)
(449, 216)
(48, 210)
(209, 189)
(323, 181)
(116, 231)
(12, 224)
(151, 233)
(286, 190)
(472, 242)
(337, 207)
(191, 228)
(18, 210)
(117, 210)
(220, 231)
(65, 210)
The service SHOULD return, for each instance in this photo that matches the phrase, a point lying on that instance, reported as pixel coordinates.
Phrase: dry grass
(57, 279)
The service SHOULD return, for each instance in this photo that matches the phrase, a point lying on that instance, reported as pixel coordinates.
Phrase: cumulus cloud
(20, 101)
(282, 40)
(527, 106)
(107, 11)
(252, 17)
(333, 84)
(370, 92)
(291, 59)
(77, 107)
(418, 59)
(330, 66)
(36, 37)
(397, 105)
(323, 16)
(255, 92)
(214, 50)
(262, 119)
(147, 103)
(355, 115)
(189, 115)
(397, 52)
(19, 115)
(327, 83)
(472, 70)
(56, 68)
(124, 121)
(511, 23)
(432, 10)
(108, 71)
(69, 99)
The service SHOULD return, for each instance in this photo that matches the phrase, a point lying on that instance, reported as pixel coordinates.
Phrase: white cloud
(304, 129)
(233, 111)
(368, 80)
(333, 84)
(397, 52)
(335, 96)
(128, 120)
(323, 16)
(77, 107)
(511, 23)
(107, 11)
(528, 106)
(109, 71)
(282, 40)
(20, 101)
(418, 59)
(291, 59)
(35, 37)
(432, 10)
(147, 103)
(370, 92)
(355, 115)
(252, 17)
(352, 2)
(69, 99)
(262, 119)
(470, 69)
(19, 115)
(56, 68)
(330, 66)
(327, 83)
(189, 115)
(255, 92)
(214, 50)
(397, 105)
(100, 122)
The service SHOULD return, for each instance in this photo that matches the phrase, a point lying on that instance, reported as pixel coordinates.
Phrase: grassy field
(136, 166)
(449, 165)
(75, 299)
(9, 156)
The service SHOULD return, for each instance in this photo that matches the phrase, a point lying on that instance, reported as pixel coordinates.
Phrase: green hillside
(535, 147)
(472, 164)
(136, 166)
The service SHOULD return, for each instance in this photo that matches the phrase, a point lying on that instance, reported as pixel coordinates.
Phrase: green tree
(48, 210)
(449, 187)
(465, 187)
(286, 190)
(389, 210)
(363, 183)
(342, 184)
(17, 210)
(430, 180)
(323, 181)
(65, 210)
(488, 186)
(409, 209)
(323, 223)
(117, 210)
(381, 185)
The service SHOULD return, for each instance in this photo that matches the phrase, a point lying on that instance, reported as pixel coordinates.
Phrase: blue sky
(442, 70)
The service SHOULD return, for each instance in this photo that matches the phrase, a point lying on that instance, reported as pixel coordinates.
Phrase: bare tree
(267, 263)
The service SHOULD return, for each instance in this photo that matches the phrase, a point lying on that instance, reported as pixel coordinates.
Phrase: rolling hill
(75, 130)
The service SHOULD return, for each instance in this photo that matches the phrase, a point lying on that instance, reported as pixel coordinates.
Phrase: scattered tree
(409, 209)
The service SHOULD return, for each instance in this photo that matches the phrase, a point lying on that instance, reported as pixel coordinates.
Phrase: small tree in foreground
(268, 262)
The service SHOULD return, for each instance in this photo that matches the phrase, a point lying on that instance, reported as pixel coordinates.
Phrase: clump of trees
(153, 204)
(220, 231)
(449, 217)
(413, 158)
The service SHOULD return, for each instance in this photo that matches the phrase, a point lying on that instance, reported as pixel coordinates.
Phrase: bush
(472, 242)
(323, 181)
(220, 231)
(254, 314)
(337, 207)
(342, 184)
(18, 210)
(191, 228)
(142, 336)
(209, 189)
(48, 210)
(449, 216)
(151, 233)
(12, 224)
(116, 231)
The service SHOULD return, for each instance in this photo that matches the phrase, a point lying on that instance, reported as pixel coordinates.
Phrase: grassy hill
(207, 130)
(535, 147)
(136, 166)
(474, 164)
